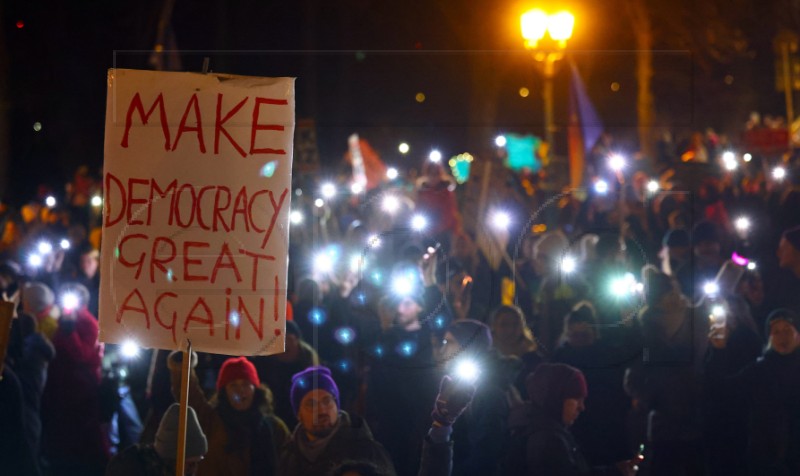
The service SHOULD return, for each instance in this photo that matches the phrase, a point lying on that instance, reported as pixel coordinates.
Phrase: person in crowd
(437, 200)
(276, 371)
(512, 337)
(479, 437)
(707, 251)
(159, 458)
(88, 274)
(71, 398)
(751, 289)
(786, 282)
(243, 434)
(541, 440)
(559, 291)
(666, 384)
(39, 301)
(768, 390)
(601, 432)
(402, 381)
(17, 457)
(676, 254)
(29, 354)
(326, 436)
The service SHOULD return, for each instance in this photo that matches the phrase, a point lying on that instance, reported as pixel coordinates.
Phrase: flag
(584, 126)
(368, 168)
(521, 152)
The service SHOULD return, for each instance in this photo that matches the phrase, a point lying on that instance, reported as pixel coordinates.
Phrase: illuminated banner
(195, 218)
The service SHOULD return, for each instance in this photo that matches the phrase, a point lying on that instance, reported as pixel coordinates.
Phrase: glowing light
(501, 220)
(97, 201)
(652, 186)
(601, 187)
(534, 26)
(129, 349)
(616, 162)
(234, 318)
(44, 247)
(392, 173)
(390, 204)
(319, 203)
(419, 222)
(747, 157)
(524, 92)
(328, 190)
(435, 156)
(751, 266)
(569, 264)
(718, 311)
(317, 316)
(711, 288)
(357, 188)
(50, 201)
(344, 365)
(738, 259)
(323, 262)
(403, 285)
(377, 277)
(742, 224)
(624, 286)
(37, 126)
(560, 26)
(407, 348)
(779, 173)
(357, 263)
(268, 170)
(420, 97)
(374, 241)
(35, 260)
(70, 301)
(403, 148)
(296, 217)
(65, 244)
(500, 141)
(729, 160)
(467, 370)
(439, 322)
(345, 335)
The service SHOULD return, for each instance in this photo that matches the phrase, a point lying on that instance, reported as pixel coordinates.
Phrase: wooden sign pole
(184, 403)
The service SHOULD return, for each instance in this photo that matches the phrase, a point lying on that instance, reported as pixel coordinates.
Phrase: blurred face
(240, 394)
(678, 254)
(783, 337)
(318, 413)
(506, 327)
(787, 255)
(753, 291)
(450, 348)
(89, 264)
(706, 250)
(407, 312)
(571, 410)
(580, 334)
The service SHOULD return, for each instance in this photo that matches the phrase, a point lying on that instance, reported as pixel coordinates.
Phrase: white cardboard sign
(197, 196)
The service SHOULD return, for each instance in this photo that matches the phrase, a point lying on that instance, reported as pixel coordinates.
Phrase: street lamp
(535, 23)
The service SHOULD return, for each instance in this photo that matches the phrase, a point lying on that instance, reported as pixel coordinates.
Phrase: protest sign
(196, 184)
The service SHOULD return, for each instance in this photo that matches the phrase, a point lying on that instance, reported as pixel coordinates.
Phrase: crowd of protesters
(646, 322)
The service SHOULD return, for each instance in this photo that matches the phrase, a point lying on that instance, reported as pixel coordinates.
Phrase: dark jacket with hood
(770, 388)
(351, 441)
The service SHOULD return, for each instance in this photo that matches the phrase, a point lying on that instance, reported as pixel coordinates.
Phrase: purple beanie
(312, 378)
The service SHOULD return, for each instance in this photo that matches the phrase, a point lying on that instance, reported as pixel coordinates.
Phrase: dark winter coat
(541, 445)
(352, 441)
(139, 460)
(770, 388)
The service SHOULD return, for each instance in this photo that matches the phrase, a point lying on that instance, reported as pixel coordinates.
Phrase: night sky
(360, 63)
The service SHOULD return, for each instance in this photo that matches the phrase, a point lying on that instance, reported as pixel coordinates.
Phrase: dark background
(360, 63)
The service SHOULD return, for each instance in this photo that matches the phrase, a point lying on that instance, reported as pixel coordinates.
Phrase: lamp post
(535, 24)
